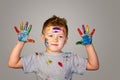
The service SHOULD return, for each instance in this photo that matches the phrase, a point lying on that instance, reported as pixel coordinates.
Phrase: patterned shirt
(59, 66)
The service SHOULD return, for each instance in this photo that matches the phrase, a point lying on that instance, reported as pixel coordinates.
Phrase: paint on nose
(55, 39)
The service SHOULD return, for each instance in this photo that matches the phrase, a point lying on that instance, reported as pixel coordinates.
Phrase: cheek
(62, 42)
(47, 41)
(65, 40)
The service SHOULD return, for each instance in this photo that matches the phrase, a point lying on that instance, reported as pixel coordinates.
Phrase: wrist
(19, 42)
(89, 45)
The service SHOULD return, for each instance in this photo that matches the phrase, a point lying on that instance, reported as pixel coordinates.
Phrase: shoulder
(34, 55)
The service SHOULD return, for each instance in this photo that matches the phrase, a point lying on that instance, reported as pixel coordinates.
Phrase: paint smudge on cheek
(46, 42)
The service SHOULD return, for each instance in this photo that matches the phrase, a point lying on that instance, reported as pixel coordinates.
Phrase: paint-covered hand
(23, 33)
(86, 36)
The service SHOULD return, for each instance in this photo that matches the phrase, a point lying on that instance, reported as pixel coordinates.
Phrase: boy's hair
(55, 21)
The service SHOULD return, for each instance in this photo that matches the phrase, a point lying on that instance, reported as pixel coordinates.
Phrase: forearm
(93, 63)
(15, 54)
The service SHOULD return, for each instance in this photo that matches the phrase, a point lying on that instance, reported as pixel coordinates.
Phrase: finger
(93, 31)
(16, 29)
(30, 40)
(83, 27)
(29, 29)
(21, 26)
(79, 42)
(26, 25)
(87, 29)
(80, 32)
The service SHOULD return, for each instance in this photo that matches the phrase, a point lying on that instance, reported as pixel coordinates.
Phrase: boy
(53, 64)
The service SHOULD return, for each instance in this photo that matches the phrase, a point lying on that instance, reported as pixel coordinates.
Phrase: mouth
(54, 44)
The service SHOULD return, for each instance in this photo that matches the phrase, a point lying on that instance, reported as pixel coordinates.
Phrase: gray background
(103, 15)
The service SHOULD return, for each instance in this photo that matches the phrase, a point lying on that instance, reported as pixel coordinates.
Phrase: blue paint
(56, 29)
(23, 36)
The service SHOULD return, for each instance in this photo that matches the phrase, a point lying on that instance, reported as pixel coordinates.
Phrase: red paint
(36, 53)
(92, 32)
(60, 64)
(30, 40)
(63, 30)
(16, 29)
(80, 32)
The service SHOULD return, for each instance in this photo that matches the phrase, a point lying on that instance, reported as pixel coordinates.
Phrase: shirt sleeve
(29, 63)
(78, 64)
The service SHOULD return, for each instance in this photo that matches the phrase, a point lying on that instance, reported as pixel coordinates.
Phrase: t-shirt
(58, 66)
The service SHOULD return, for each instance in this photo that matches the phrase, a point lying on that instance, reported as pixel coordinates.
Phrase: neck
(53, 52)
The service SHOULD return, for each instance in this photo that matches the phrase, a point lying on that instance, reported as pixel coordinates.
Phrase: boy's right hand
(23, 33)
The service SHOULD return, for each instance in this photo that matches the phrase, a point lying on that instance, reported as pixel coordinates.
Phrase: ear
(42, 37)
(66, 40)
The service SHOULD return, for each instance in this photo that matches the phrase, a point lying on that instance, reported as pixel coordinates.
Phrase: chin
(55, 51)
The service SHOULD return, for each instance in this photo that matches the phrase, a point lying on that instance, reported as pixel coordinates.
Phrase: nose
(55, 39)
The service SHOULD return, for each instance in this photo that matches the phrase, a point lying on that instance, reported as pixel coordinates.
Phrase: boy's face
(55, 38)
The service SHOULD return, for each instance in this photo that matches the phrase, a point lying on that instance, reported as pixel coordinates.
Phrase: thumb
(30, 40)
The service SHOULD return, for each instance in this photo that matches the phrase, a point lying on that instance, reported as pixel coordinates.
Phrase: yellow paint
(48, 40)
(49, 62)
(21, 25)
(87, 29)
(48, 28)
(55, 39)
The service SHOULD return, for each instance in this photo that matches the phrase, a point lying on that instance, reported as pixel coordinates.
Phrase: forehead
(55, 29)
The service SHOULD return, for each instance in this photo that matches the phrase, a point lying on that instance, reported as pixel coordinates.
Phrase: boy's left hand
(86, 36)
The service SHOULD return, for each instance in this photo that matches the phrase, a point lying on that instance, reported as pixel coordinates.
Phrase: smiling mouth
(54, 44)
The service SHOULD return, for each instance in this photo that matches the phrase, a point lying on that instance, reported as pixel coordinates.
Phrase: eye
(61, 36)
(50, 35)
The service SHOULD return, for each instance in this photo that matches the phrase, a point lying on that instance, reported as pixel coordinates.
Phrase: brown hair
(55, 21)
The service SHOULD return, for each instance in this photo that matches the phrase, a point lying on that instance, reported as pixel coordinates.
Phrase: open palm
(86, 36)
(23, 33)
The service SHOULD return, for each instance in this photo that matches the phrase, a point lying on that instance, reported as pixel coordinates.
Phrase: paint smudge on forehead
(48, 29)
(56, 29)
